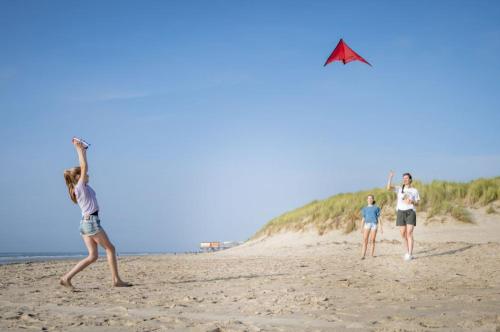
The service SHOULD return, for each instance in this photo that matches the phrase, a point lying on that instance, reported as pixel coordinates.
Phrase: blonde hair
(71, 176)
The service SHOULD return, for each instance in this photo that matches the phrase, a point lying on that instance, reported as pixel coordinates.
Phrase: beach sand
(288, 282)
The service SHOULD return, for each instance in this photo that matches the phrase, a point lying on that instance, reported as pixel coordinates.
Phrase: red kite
(344, 53)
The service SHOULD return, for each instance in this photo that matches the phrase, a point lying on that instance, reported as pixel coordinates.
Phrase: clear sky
(209, 118)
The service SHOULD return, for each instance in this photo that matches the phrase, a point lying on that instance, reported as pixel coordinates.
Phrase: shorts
(406, 217)
(90, 227)
(370, 225)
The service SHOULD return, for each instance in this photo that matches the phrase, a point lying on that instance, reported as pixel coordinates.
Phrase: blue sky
(209, 118)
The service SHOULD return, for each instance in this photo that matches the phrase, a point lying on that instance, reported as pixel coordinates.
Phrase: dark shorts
(407, 217)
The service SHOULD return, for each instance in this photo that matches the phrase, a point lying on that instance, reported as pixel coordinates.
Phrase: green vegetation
(342, 211)
(491, 210)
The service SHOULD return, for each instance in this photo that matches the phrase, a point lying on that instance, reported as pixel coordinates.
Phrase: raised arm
(82, 158)
(389, 181)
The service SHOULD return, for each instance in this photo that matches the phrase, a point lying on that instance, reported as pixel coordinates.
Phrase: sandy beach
(289, 282)
(240, 156)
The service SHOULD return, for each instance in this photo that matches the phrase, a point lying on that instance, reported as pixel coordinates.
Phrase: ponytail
(70, 177)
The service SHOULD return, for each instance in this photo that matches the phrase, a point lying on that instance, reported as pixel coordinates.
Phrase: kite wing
(344, 53)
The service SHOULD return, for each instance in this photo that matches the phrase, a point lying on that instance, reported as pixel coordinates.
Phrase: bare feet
(121, 283)
(66, 283)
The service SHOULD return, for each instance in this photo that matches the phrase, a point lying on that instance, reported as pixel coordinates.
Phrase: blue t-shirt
(371, 214)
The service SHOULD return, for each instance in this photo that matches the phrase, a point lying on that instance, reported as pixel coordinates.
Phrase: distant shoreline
(32, 257)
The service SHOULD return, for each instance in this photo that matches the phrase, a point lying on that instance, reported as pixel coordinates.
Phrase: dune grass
(342, 211)
(491, 210)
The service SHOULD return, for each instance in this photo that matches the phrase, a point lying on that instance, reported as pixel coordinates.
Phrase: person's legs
(373, 235)
(92, 257)
(402, 231)
(409, 237)
(102, 239)
(366, 232)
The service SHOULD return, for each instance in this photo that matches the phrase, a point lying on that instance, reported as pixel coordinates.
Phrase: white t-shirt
(407, 192)
(86, 198)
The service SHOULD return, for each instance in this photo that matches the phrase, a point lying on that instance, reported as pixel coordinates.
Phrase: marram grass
(491, 210)
(342, 211)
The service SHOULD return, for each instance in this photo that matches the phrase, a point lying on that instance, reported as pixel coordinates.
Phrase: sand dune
(290, 282)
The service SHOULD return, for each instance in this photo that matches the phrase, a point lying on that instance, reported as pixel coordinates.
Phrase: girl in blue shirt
(369, 224)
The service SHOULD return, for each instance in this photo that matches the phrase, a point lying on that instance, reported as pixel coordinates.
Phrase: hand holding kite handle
(81, 142)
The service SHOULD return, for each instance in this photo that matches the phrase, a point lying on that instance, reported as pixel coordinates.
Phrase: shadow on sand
(444, 253)
(251, 276)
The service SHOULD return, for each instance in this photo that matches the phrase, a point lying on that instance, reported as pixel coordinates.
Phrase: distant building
(230, 244)
(216, 245)
(210, 246)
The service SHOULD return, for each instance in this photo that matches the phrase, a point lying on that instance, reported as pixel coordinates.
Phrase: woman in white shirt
(407, 200)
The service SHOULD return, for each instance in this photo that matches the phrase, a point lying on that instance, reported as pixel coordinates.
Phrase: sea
(25, 257)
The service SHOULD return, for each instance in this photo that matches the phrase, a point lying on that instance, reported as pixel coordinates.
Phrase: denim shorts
(90, 227)
(370, 225)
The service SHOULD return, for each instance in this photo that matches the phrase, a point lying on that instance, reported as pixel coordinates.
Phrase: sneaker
(408, 257)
